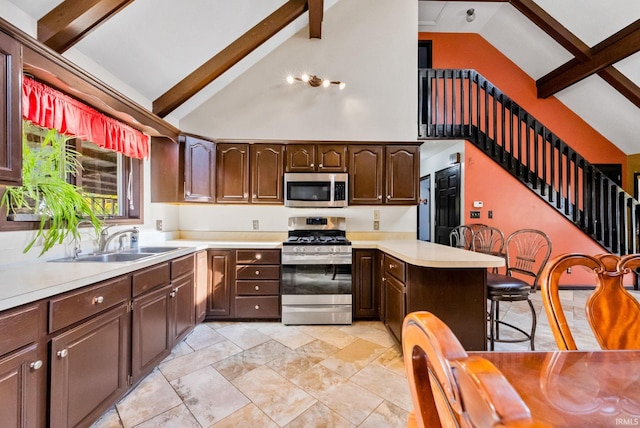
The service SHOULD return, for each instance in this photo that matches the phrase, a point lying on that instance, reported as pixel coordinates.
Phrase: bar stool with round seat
(462, 236)
(526, 252)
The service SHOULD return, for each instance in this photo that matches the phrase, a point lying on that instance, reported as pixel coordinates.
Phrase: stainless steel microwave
(315, 189)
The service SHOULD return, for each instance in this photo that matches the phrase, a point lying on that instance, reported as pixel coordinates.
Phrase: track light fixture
(315, 81)
(471, 14)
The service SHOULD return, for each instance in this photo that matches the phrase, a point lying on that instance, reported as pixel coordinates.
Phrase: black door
(447, 207)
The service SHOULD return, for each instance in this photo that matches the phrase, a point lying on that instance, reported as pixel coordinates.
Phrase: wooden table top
(575, 388)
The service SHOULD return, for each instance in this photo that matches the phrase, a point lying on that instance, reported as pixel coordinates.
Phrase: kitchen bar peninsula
(449, 282)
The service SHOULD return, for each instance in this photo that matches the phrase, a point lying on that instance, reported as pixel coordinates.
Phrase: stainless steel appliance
(316, 190)
(316, 281)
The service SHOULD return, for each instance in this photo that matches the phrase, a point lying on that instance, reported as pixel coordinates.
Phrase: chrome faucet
(77, 249)
(105, 239)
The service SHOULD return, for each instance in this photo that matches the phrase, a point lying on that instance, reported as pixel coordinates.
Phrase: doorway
(424, 209)
(447, 196)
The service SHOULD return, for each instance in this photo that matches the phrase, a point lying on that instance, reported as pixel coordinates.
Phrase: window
(111, 181)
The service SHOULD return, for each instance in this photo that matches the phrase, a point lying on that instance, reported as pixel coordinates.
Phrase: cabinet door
(395, 306)
(151, 338)
(403, 170)
(89, 368)
(181, 300)
(300, 158)
(366, 284)
(332, 158)
(23, 383)
(199, 170)
(201, 288)
(222, 264)
(366, 176)
(266, 173)
(232, 173)
(10, 111)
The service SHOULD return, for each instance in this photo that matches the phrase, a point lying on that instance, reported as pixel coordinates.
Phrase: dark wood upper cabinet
(316, 158)
(199, 169)
(233, 172)
(183, 172)
(366, 175)
(10, 111)
(266, 173)
(402, 172)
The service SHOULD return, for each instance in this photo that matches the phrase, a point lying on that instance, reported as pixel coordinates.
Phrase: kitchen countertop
(28, 282)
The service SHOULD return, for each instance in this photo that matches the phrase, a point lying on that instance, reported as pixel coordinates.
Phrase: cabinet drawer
(261, 288)
(257, 272)
(394, 267)
(182, 266)
(262, 257)
(150, 278)
(76, 306)
(19, 327)
(258, 307)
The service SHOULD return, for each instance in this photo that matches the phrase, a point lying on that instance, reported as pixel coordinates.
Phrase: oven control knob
(317, 249)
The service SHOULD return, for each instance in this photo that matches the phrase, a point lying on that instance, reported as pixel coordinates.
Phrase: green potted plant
(58, 205)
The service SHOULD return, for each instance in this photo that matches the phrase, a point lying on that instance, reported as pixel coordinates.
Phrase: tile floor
(269, 375)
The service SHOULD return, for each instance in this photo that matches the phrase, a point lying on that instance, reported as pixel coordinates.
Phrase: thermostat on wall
(477, 204)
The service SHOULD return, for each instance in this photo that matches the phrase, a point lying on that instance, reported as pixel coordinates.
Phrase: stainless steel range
(316, 272)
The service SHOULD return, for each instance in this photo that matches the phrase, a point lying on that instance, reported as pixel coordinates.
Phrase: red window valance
(50, 108)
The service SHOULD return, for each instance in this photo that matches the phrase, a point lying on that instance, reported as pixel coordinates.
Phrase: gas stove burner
(317, 240)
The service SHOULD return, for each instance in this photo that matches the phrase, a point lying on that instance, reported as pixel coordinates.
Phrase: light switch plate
(158, 224)
(256, 225)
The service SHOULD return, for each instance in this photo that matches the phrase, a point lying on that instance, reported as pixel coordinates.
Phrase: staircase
(461, 104)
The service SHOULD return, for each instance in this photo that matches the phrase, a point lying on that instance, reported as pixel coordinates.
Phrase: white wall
(260, 104)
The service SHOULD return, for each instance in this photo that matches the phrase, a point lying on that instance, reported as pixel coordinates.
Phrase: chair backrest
(488, 240)
(527, 252)
(451, 389)
(612, 312)
(462, 236)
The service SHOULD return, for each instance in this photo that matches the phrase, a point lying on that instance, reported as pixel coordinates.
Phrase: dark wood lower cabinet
(89, 368)
(222, 264)
(366, 284)
(182, 313)
(150, 333)
(23, 380)
(395, 306)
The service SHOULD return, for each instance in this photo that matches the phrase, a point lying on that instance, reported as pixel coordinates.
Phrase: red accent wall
(513, 205)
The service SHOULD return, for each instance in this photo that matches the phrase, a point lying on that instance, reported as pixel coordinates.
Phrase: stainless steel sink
(153, 250)
(104, 258)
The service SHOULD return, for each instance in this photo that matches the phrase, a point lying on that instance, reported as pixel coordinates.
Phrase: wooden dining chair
(451, 389)
(526, 252)
(612, 312)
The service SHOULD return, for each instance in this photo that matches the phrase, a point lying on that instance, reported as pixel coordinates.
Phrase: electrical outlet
(376, 214)
(256, 225)
(376, 225)
(474, 214)
(158, 224)
(569, 269)
(490, 214)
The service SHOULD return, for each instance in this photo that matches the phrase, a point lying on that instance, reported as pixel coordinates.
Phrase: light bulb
(290, 79)
(305, 78)
(342, 85)
(326, 83)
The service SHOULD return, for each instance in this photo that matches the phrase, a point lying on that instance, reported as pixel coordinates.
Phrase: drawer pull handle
(257, 306)
(98, 300)
(172, 294)
(392, 266)
(257, 272)
(257, 288)
(258, 256)
(36, 365)
(63, 353)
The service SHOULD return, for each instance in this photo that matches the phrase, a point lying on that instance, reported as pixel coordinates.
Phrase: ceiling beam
(624, 43)
(228, 57)
(316, 10)
(71, 20)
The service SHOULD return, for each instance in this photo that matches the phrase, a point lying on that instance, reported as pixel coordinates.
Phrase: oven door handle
(293, 261)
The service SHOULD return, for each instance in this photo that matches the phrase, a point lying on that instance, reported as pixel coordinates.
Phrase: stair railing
(461, 104)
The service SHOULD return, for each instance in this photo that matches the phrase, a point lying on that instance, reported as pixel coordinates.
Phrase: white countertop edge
(40, 279)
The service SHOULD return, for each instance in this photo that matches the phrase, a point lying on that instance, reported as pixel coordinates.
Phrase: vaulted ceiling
(171, 56)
